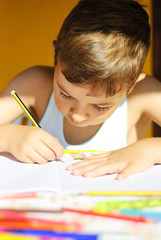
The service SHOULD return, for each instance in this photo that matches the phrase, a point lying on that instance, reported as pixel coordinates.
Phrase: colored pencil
(18, 195)
(15, 236)
(25, 217)
(73, 235)
(122, 193)
(9, 236)
(87, 151)
(155, 216)
(109, 215)
(36, 225)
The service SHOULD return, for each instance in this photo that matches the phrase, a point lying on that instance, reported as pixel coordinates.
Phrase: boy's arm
(148, 95)
(28, 143)
(135, 158)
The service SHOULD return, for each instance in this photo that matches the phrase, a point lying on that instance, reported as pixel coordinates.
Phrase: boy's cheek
(61, 105)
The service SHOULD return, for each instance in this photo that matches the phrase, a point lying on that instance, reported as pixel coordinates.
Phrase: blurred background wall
(27, 30)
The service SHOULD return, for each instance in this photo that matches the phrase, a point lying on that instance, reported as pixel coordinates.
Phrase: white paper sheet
(53, 176)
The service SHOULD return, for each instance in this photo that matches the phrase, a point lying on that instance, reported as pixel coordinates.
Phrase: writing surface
(16, 176)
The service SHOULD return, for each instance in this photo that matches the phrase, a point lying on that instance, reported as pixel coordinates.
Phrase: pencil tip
(12, 92)
(59, 159)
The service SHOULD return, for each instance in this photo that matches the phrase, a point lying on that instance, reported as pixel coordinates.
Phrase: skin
(83, 116)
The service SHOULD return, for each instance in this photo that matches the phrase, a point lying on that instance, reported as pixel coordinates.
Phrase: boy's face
(78, 107)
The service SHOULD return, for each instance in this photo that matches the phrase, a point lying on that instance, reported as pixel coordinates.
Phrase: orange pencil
(35, 225)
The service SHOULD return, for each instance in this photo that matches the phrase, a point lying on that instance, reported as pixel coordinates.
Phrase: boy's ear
(140, 78)
(54, 44)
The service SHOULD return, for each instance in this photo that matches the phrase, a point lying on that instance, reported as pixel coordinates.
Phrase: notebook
(18, 177)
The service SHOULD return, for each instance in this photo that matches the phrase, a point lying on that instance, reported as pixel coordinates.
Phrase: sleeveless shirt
(111, 136)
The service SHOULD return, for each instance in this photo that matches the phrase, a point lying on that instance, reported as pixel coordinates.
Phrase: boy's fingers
(83, 163)
(97, 169)
(54, 145)
(97, 158)
(83, 169)
(126, 172)
(26, 160)
(37, 157)
(106, 168)
(47, 154)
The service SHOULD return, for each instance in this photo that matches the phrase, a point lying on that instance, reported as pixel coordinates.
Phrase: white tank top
(112, 134)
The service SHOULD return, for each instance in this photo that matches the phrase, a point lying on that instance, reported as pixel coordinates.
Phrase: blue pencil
(44, 233)
(152, 215)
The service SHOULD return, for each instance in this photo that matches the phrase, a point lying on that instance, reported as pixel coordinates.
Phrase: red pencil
(109, 215)
(24, 217)
(19, 195)
(18, 220)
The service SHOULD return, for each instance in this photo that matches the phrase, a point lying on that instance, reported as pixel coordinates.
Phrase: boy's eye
(65, 96)
(100, 108)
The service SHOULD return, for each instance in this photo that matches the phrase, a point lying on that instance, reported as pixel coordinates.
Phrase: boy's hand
(135, 158)
(33, 145)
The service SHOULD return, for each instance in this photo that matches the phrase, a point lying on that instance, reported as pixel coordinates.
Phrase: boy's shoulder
(145, 99)
(39, 77)
(32, 80)
(143, 106)
(34, 85)
(38, 81)
(148, 84)
(146, 88)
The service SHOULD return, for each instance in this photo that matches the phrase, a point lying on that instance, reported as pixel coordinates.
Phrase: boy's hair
(104, 44)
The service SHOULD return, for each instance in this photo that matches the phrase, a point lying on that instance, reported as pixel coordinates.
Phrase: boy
(96, 97)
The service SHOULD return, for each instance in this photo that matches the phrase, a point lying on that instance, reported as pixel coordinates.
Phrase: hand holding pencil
(33, 144)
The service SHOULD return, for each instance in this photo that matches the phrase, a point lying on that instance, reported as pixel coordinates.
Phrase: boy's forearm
(156, 153)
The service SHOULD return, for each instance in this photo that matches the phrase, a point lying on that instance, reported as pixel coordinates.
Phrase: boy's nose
(79, 115)
(78, 118)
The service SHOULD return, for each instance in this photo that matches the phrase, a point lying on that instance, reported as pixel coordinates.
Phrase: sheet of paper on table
(16, 176)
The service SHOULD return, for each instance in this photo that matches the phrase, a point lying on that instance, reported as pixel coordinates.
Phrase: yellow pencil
(10, 236)
(24, 108)
(123, 193)
(86, 151)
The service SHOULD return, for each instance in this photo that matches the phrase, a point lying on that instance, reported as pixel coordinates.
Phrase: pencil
(24, 108)
(12, 236)
(16, 224)
(108, 215)
(85, 151)
(123, 193)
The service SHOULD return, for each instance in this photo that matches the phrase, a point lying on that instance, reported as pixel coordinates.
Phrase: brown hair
(104, 44)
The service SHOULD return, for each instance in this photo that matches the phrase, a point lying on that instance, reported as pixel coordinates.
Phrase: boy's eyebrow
(101, 104)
